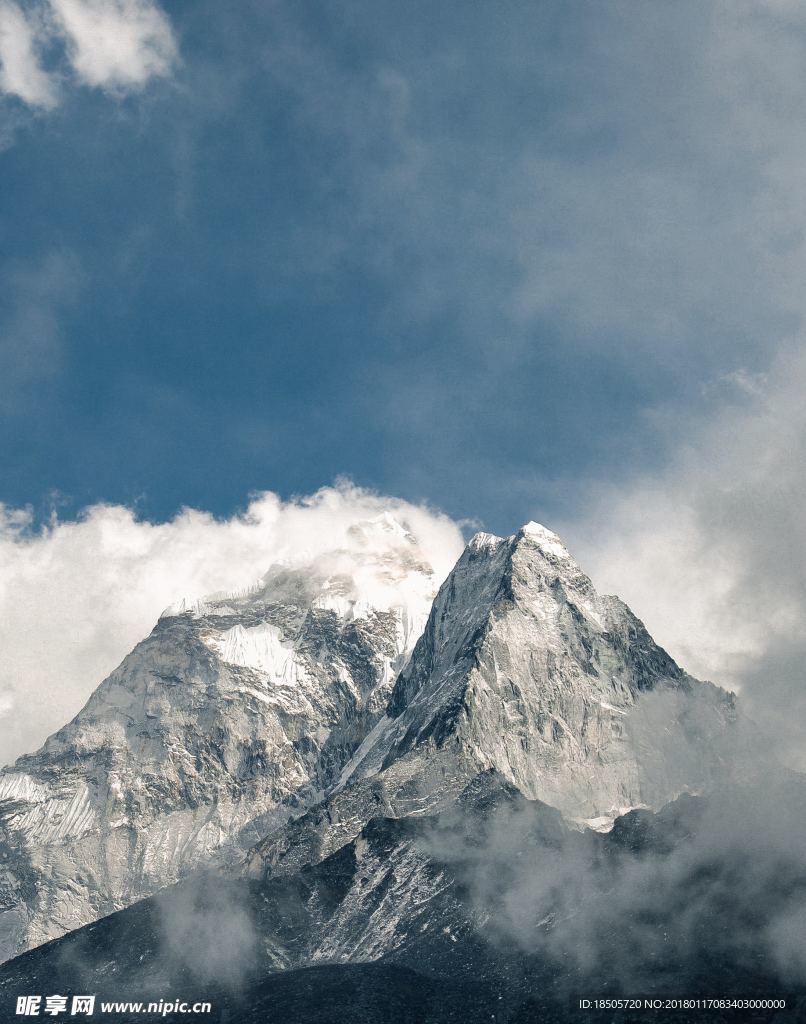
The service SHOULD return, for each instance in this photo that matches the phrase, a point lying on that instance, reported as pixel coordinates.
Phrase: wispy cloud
(710, 549)
(654, 203)
(31, 333)
(114, 45)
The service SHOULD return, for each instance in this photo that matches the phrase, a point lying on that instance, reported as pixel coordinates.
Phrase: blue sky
(514, 260)
(477, 254)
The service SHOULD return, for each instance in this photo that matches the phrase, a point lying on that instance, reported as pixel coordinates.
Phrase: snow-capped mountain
(235, 711)
(290, 715)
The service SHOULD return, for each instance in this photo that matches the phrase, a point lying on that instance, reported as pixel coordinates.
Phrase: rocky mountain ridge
(292, 714)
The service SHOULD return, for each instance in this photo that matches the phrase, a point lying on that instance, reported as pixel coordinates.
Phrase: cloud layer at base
(708, 888)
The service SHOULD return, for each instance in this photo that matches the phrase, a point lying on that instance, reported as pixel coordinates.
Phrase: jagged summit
(523, 667)
(533, 534)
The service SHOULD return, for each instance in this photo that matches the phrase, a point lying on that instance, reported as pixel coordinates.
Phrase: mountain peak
(534, 533)
(524, 668)
(384, 525)
(237, 709)
(546, 539)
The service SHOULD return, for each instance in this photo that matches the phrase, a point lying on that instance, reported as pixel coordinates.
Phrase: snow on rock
(545, 539)
(236, 711)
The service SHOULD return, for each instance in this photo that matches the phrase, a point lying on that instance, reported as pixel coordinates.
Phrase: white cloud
(21, 74)
(711, 550)
(116, 45)
(77, 596)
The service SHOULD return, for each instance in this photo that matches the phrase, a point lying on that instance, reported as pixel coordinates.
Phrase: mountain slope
(524, 668)
(470, 914)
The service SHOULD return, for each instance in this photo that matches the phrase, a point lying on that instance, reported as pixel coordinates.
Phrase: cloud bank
(710, 550)
(115, 45)
(75, 597)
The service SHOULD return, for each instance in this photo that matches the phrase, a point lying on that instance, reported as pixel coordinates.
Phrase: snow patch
(259, 647)
(609, 707)
(546, 539)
